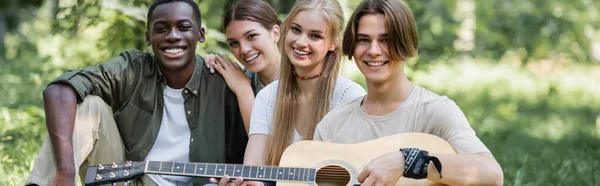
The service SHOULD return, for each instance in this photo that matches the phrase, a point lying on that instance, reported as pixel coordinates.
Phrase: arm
(256, 151)
(457, 169)
(60, 105)
(467, 169)
(474, 164)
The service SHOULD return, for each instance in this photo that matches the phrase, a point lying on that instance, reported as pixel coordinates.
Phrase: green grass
(543, 128)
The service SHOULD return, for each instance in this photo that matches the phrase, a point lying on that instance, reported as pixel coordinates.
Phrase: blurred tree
(13, 12)
(537, 28)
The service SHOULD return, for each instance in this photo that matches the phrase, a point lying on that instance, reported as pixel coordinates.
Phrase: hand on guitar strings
(383, 170)
(226, 181)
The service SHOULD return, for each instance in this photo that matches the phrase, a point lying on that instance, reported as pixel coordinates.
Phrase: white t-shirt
(423, 111)
(263, 109)
(173, 141)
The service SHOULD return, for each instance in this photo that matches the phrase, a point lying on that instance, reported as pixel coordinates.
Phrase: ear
(148, 43)
(201, 38)
(276, 31)
(332, 47)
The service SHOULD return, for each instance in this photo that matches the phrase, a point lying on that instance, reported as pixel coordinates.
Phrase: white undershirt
(173, 141)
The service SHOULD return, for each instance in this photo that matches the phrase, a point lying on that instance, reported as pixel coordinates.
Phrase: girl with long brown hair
(252, 30)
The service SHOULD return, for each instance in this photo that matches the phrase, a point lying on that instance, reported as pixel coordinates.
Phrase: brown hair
(287, 93)
(252, 10)
(401, 28)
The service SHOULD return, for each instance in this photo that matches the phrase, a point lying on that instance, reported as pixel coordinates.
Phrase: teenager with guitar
(252, 30)
(288, 110)
(381, 36)
(166, 106)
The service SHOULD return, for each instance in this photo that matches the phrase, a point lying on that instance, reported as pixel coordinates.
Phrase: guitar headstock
(113, 173)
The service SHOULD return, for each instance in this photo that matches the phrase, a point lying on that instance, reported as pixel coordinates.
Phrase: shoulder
(268, 93)
(439, 112)
(434, 103)
(346, 90)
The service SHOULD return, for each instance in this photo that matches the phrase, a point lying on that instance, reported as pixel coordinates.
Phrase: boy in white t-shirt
(381, 35)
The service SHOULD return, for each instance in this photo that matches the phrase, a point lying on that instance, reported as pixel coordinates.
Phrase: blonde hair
(287, 93)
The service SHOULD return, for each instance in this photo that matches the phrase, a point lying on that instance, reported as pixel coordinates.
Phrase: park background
(525, 72)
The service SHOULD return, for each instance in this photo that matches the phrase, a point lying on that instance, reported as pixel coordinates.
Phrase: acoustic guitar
(303, 163)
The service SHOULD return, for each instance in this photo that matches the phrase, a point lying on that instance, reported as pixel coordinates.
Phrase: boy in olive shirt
(166, 107)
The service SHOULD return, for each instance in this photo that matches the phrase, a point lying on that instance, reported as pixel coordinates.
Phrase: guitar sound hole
(332, 175)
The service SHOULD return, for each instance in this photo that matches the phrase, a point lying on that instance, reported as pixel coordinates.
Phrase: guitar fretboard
(250, 172)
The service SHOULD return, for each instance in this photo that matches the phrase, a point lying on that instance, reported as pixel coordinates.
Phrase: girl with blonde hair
(309, 86)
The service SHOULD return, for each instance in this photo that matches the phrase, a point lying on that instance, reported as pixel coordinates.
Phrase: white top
(423, 111)
(263, 109)
(173, 141)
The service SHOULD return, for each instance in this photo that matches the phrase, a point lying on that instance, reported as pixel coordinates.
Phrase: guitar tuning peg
(112, 175)
(126, 173)
(128, 163)
(98, 177)
(100, 167)
(114, 165)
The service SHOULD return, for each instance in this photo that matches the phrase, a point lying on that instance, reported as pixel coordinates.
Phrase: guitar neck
(247, 172)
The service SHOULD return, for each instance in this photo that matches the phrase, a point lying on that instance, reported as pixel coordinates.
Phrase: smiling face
(371, 52)
(173, 34)
(307, 42)
(254, 46)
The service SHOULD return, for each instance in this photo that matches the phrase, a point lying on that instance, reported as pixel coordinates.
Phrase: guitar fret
(237, 170)
(220, 170)
(294, 177)
(267, 174)
(303, 174)
(167, 167)
(195, 167)
(153, 166)
(311, 175)
(188, 169)
(260, 172)
(253, 171)
(202, 168)
(205, 169)
(230, 170)
(246, 171)
(284, 175)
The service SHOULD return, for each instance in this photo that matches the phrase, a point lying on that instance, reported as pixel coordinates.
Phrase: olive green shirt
(133, 85)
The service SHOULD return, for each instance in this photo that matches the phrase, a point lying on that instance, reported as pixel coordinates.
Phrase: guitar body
(349, 159)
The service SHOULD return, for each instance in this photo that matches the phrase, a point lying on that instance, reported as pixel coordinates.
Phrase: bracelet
(416, 162)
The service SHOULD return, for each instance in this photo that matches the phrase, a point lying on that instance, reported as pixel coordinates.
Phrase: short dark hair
(193, 4)
(252, 10)
(401, 28)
